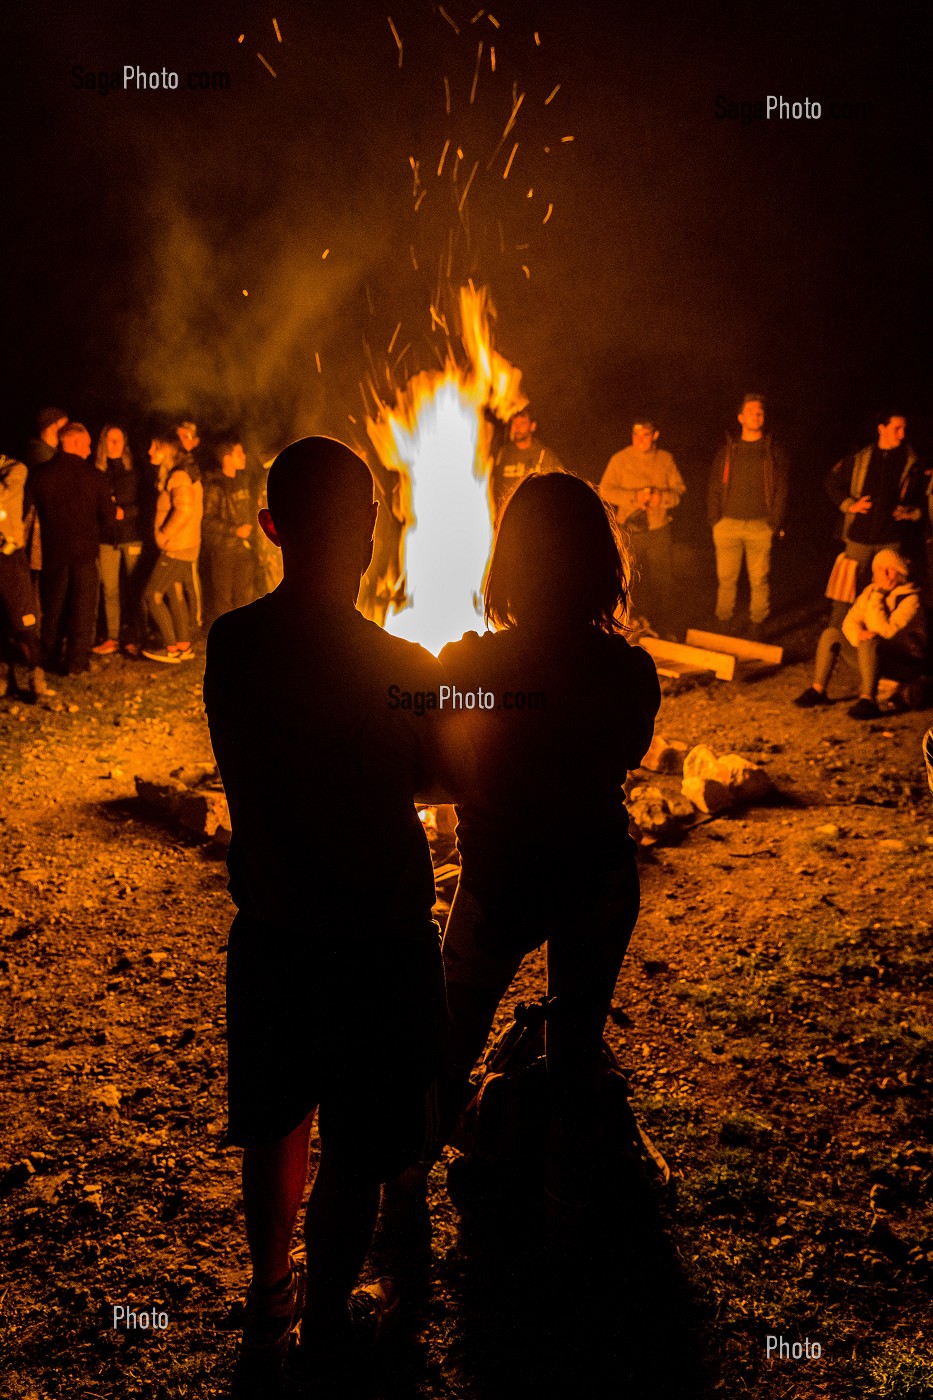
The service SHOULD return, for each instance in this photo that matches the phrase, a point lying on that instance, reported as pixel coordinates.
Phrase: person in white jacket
(884, 633)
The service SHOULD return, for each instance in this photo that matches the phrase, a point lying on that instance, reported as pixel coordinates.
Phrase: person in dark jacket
(115, 460)
(227, 558)
(880, 494)
(746, 501)
(75, 513)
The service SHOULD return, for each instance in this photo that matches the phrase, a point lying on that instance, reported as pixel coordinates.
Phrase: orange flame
(439, 437)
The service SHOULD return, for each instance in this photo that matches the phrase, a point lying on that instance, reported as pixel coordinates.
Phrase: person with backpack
(545, 850)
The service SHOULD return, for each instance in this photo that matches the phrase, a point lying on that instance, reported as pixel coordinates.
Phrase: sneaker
(320, 1361)
(105, 648)
(810, 697)
(270, 1320)
(185, 653)
(162, 654)
(864, 709)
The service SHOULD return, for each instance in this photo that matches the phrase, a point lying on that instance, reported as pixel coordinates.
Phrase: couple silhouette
(341, 1000)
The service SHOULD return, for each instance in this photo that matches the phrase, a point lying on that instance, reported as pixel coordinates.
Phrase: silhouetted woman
(543, 835)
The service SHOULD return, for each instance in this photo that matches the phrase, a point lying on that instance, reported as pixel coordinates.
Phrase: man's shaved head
(320, 492)
(321, 512)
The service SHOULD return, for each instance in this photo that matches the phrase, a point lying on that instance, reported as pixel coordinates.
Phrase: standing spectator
(227, 552)
(115, 460)
(644, 485)
(879, 491)
(173, 584)
(187, 433)
(42, 448)
(75, 514)
(523, 454)
(746, 501)
(18, 623)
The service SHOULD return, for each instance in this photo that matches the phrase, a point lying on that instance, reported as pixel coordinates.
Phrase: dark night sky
(687, 257)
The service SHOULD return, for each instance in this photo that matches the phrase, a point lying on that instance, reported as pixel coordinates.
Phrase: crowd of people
(99, 554)
(880, 588)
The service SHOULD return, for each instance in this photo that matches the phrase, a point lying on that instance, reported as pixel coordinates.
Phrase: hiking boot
(268, 1326)
(107, 648)
(810, 697)
(323, 1361)
(171, 658)
(864, 709)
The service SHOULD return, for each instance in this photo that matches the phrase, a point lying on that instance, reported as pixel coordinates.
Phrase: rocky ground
(773, 1011)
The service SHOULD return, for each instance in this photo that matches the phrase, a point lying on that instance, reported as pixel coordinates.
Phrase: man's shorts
(351, 1023)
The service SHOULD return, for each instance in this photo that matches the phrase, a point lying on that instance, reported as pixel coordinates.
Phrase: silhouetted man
(334, 987)
(76, 514)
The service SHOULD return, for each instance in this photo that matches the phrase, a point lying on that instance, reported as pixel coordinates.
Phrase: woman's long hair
(101, 457)
(557, 554)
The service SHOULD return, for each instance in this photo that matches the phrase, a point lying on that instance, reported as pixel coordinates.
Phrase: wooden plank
(722, 664)
(736, 646)
(674, 670)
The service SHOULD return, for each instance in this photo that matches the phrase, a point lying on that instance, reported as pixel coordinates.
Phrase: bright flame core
(438, 437)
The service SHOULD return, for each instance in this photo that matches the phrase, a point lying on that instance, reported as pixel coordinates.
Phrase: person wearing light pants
(746, 501)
